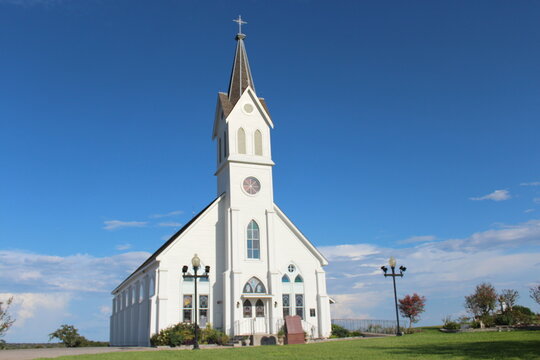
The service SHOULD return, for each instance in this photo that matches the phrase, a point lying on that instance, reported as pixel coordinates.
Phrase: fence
(371, 326)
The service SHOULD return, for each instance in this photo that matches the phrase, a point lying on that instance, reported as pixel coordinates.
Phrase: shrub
(449, 324)
(213, 336)
(340, 331)
(184, 334)
(281, 332)
(523, 315)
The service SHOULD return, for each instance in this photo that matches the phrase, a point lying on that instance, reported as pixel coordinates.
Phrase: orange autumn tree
(411, 307)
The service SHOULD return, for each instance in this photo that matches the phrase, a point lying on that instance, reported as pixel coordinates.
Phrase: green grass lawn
(428, 344)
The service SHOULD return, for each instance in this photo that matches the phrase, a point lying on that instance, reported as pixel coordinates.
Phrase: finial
(240, 23)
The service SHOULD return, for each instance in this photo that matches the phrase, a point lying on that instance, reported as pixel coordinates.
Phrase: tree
(482, 301)
(5, 319)
(535, 293)
(69, 335)
(411, 307)
(507, 297)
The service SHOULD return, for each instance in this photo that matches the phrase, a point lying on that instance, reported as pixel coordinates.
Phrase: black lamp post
(392, 263)
(196, 263)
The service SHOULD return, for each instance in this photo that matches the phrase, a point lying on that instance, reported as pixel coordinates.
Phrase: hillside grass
(428, 344)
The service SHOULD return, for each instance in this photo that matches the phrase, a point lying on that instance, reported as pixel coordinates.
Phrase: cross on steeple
(240, 23)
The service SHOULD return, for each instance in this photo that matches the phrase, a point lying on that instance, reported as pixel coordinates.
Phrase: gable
(225, 106)
(304, 241)
(172, 239)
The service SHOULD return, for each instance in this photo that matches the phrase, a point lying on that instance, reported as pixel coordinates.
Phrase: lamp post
(392, 263)
(196, 263)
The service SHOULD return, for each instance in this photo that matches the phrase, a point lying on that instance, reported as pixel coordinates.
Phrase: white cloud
(123, 247)
(80, 272)
(418, 239)
(497, 195)
(444, 271)
(170, 224)
(537, 200)
(27, 305)
(169, 214)
(533, 183)
(117, 224)
(528, 211)
(106, 310)
(348, 252)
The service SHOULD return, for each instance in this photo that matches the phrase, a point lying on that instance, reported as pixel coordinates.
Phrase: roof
(169, 242)
(241, 73)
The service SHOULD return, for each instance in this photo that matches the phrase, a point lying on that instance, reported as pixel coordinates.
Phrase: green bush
(450, 324)
(523, 315)
(179, 334)
(340, 331)
(213, 336)
(184, 334)
(506, 318)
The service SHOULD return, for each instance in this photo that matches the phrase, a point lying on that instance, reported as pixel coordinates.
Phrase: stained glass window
(254, 285)
(247, 309)
(298, 279)
(203, 309)
(253, 241)
(259, 308)
(286, 305)
(188, 308)
(300, 305)
(285, 278)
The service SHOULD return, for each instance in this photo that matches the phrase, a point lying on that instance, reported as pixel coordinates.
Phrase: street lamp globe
(196, 262)
(392, 262)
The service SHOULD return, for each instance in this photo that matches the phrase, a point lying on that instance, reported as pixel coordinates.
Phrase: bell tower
(242, 127)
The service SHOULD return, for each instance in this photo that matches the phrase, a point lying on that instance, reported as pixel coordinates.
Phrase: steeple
(241, 74)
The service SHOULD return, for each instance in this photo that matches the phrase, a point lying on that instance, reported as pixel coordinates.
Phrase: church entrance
(255, 318)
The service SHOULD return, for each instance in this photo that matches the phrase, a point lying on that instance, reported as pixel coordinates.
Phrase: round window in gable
(291, 268)
(248, 108)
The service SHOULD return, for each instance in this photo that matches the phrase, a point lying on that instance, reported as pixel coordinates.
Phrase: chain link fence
(369, 326)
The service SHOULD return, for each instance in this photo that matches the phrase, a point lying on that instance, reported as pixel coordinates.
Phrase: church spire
(241, 74)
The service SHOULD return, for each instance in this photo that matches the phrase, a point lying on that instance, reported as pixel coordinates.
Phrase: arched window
(225, 147)
(247, 309)
(151, 287)
(219, 151)
(241, 139)
(254, 285)
(285, 279)
(298, 279)
(259, 308)
(258, 143)
(141, 290)
(253, 241)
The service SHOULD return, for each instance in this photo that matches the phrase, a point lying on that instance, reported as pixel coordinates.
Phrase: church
(261, 267)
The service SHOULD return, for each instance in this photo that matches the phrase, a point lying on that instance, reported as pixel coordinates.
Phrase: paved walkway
(29, 354)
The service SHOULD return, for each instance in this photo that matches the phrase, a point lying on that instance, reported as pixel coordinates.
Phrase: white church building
(262, 268)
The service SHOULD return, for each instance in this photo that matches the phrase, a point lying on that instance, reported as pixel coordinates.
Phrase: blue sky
(402, 128)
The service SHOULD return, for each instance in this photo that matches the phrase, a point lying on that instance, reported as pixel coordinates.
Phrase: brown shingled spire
(241, 73)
